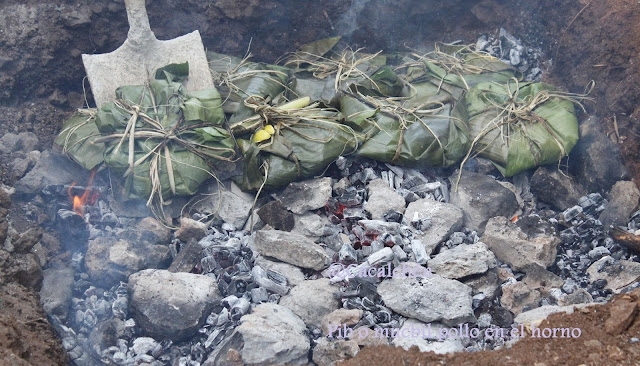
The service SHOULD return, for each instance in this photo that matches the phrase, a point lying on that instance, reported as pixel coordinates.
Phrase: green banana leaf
(546, 135)
(239, 79)
(313, 51)
(300, 151)
(174, 129)
(468, 68)
(77, 140)
(189, 170)
(315, 67)
(437, 139)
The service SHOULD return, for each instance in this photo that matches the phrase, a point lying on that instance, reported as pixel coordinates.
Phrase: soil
(26, 337)
(41, 74)
(595, 346)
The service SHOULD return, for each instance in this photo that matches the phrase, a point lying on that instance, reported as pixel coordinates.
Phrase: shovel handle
(139, 29)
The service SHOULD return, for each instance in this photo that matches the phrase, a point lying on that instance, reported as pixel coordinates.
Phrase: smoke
(348, 22)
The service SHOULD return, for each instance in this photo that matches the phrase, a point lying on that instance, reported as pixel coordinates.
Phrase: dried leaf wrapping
(161, 139)
(426, 130)
(305, 141)
(77, 139)
(519, 126)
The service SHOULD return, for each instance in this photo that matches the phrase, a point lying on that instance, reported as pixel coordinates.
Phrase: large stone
(27, 240)
(311, 300)
(293, 274)
(148, 229)
(277, 216)
(24, 142)
(56, 291)
(445, 220)
(370, 337)
(516, 296)
(291, 248)
(191, 230)
(310, 225)
(595, 160)
(300, 197)
(487, 283)
(618, 274)
(19, 167)
(622, 203)
(42, 175)
(538, 314)
(273, 335)
(538, 278)
(382, 199)
(481, 197)
(580, 296)
(426, 337)
(171, 305)
(559, 190)
(512, 246)
(110, 261)
(234, 208)
(341, 317)
(430, 299)
(462, 261)
(328, 353)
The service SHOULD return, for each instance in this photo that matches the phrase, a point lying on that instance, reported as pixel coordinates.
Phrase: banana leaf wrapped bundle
(78, 137)
(519, 126)
(427, 129)
(323, 69)
(457, 68)
(162, 140)
(289, 142)
(238, 78)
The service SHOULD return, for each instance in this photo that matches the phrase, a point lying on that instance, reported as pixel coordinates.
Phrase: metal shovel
(135, 62)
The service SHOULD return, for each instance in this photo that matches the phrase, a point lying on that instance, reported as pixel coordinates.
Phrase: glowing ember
(86, 199)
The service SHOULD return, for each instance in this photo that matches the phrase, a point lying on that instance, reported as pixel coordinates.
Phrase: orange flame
(80, 202)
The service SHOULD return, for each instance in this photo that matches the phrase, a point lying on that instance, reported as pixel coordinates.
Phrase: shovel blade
(136, 64)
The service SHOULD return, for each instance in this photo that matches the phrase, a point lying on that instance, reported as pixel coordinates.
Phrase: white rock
(143, 345)
(463, 260)
(171, 305)
(293, 274)
(382, 199)
(618, 274)
(514, 247)
(273, 335)
(311, 300)
(445, 219)
(291, 248)
(310, 225)
(430, 299)
(423, 341)
(300, 197)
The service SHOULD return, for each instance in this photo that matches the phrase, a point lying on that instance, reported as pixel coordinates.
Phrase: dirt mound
(26, 337)
(604, 340)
